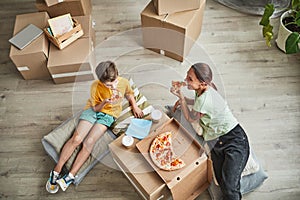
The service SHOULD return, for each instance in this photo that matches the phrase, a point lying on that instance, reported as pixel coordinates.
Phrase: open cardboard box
(191, 180)
(67, 38)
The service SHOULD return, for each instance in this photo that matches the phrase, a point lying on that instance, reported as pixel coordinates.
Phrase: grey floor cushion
(55, 140)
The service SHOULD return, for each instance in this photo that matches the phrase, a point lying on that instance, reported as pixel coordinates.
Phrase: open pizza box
(195, 177)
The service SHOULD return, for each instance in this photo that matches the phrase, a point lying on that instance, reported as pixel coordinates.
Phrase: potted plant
(288, 39)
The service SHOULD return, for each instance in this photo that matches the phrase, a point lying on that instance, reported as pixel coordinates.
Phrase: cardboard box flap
(172, 6)
(53, 2)
(149, 11)
(198, 181)
(86, 24)
(181, 19)
(74, 7)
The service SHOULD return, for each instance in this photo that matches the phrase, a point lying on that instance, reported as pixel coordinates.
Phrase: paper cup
(127, 141)
(156, 115)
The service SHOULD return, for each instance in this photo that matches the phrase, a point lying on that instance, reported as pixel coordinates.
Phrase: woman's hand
(176, 91)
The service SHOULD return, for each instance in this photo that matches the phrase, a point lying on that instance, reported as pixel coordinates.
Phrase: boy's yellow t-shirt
(99, 92)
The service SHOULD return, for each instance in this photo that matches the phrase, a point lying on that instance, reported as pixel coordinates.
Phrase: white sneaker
(65, 181)
(51, 185)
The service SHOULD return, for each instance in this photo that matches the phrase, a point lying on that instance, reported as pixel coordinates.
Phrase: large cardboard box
(172, 35)
(74, 7)
(172, 6)
(195, 177)
(74, 63)
(32, 60)
(88, 27)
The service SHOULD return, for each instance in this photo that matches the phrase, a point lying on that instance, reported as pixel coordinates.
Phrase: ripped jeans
(229, 154)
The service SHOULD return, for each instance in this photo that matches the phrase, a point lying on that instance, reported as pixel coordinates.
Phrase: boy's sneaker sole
(51, 188)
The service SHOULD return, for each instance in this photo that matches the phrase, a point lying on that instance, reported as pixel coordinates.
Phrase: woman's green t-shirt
(217, 119)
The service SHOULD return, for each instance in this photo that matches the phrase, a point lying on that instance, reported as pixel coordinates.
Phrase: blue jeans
(229, 154)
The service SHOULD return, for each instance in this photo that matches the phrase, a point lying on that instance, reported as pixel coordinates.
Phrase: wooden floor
(260, 84)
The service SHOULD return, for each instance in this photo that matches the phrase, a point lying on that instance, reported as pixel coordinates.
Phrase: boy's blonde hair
(107, 71)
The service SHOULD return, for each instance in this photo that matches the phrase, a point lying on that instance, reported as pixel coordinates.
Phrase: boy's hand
(137, 112)
(113, 100)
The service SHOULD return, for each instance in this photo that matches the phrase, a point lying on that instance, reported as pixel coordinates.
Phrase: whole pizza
(162, 154)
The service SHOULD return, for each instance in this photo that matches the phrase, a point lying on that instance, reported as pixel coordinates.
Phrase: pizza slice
(162, 154)
(178, 84)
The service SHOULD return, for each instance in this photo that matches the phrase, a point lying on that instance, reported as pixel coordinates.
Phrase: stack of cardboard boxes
(42, 60)
(171, 27)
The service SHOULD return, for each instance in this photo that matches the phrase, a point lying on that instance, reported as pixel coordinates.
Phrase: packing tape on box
(23, 68)
(62, 75)
(165, 18)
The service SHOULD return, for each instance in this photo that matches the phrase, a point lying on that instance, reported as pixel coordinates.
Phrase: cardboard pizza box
(191, 180)
(172, 35)
(31, 61)
(163, 7)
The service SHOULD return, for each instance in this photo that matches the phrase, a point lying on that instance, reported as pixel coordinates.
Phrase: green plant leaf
(297, 18)
(268, 34)
(269, 10)
(291, 44)
(296, 5)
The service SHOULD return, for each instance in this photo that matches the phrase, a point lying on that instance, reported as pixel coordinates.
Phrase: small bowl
(156, 115)
(127, 141)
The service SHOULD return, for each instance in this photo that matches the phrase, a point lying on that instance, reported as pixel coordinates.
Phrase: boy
(101, 110)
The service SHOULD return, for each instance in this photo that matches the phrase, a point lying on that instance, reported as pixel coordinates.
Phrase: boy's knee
(77, 139)
(89, 143)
